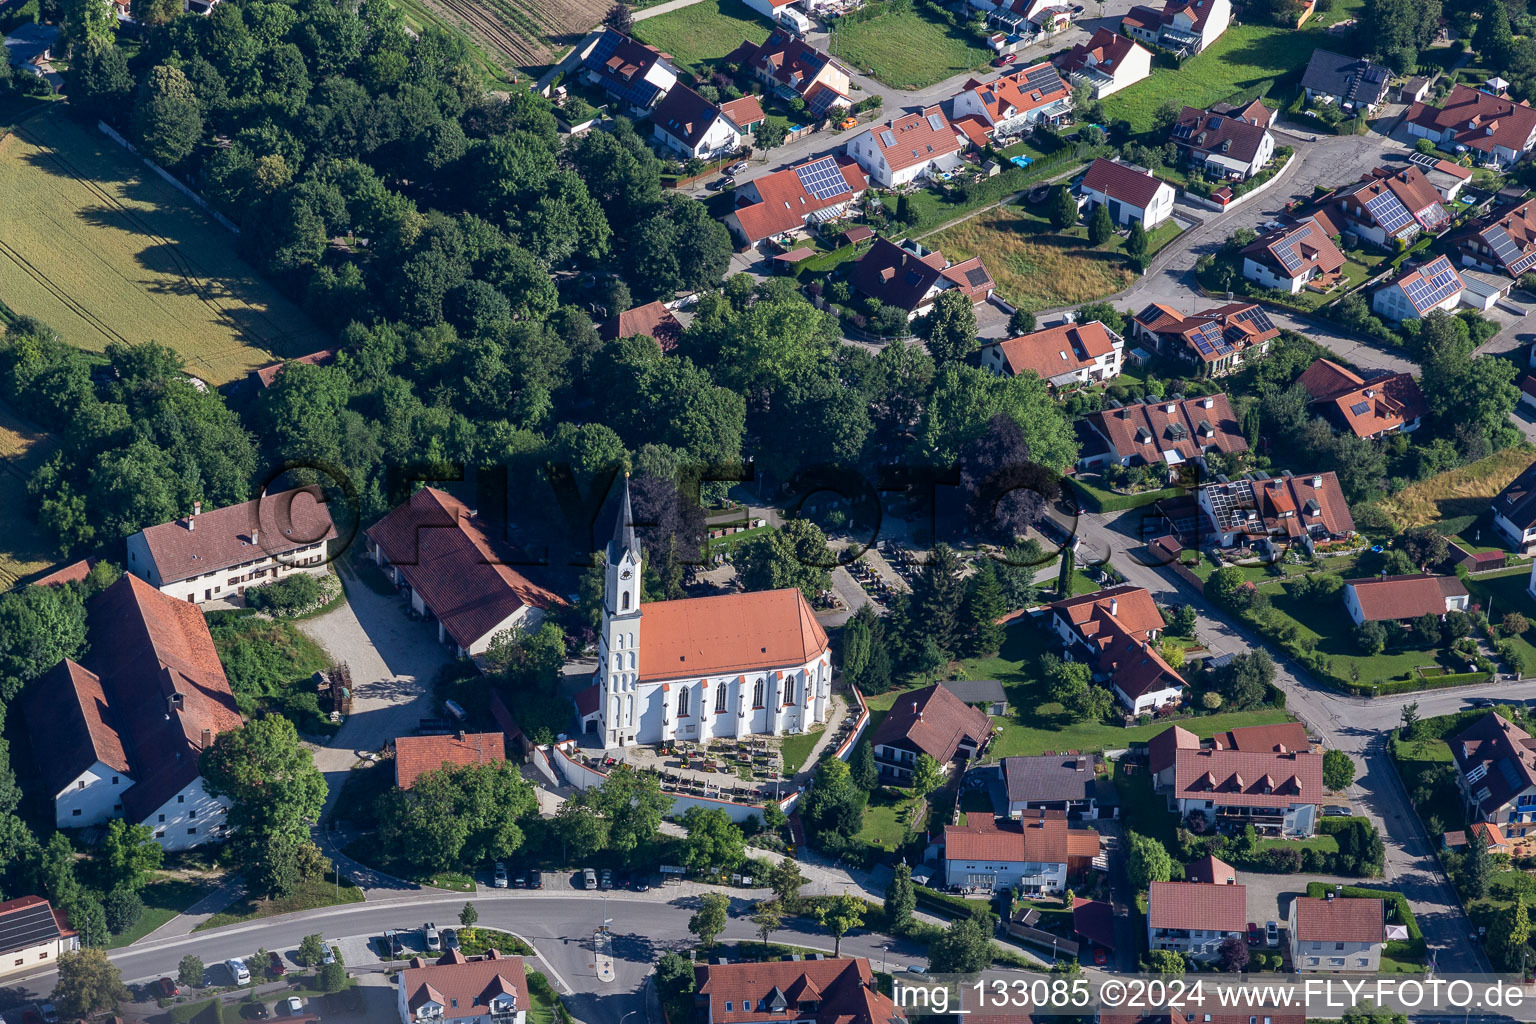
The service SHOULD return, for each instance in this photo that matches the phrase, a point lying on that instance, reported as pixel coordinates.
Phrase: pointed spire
(623, 528)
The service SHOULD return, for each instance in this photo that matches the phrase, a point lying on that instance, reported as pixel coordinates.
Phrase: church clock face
(626, 574)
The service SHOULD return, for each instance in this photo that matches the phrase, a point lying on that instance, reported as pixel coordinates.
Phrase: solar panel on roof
(976, 276)
(1389, 212)
(1441, 284)
(1289, 257)
(26, 927)
(1523, 264)
(822, 178)
(1360, 408)
(1256, 318)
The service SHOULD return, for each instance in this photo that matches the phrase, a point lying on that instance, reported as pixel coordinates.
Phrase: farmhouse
(635, 75)
(120, 735)
(787, 202)
(1183, 26)
(1107, 63)
(1514, 511)
(792, 68)
(1416, 293)
(1354, 85)
(417, 755)
(1220, 146)
(1398, 598)
(1277, 792)
(32, 935)
(218, 555)
(1386, 207)
(654, 320)
(910, 147)
(1274, 512)
(1115, 631)
(929, 721)
(1337, 934)
(1131, 194)
(1218, 340)
(1169, 431)
(1294, 257)
(812, 990)
(1194, 919)
(1504, 243)
(1384, 404)
(492, 989)
(1487, 123)
(1063, 355)
(454, 572)
(687, 123)
(1011, 103)
(910, 277)
(1496, 772)
(1035, 855)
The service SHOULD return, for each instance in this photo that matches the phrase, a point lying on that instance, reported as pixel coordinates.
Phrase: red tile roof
(653, 319)
(1425, 274)
(1291, 506)
(915, 140)
(1220, 908)
(1241, 778)
(1122, 182)
(1056, 350)
(270, 526)
(931, 720)
(1340, 919)
(791, 61)
(744, 111)
(831, 991)
(461, 573)
(785, 204)
(29, 921)
(74, 572)
(466, 989)
(1281, 737)
(1492, 836)
(265, 375)
(899, 277)
(1211, 334)
(1519, 225)
(1505, 755)
(1387, 598)
(77, 723)
(749, 632)
(1094, 920)
(1414, 191)
(1478, 119)
(1210, 870)
(1151, 430)
(1309, 240)
(1117, 622)
(1133, 608)
(416, 755)
(1013, 94)
(1045, 840)
(1365, 407)
(1220, 135)
(1163, 748)
(1105, 50)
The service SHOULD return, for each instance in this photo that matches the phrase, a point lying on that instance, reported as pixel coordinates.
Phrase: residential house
(1011, 104)
(745, 112)
(1387, 208)
(1063, 355)
(1275, 791)
(1415, 293)
(910, 147)
(792, 67)
(1130, 193)
(635, 75)
(1107, 62)
(1384, 404)
(929, 721)
(1275, 512)
(1279, 738)
(119, 736)
(1496, 773)
(1447, 178)
(454, 572)
(1162, 754)
(492, 989)
(1170, 431)
(1484, 122)
(1183, 26)
(1036, 855)
(1490, 835)
(1195, 919)
(1210, 870)
(264, 377)
(788, 202)
(1294, 256)
(688, 124)
(29, 49)
(813, 990)
(910, 277)
(1254, 112)
(1052, 782)
(1115, 631)
(1514, 511)
(654, 320)
(1354, 85)
(417, 755)
(32, 935)
(1219, 340)
(218, 555)
(1337, 934)
(1504, 243)
(1221, 146)
(1398, 598)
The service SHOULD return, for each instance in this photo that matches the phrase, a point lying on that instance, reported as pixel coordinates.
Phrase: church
(700, 668)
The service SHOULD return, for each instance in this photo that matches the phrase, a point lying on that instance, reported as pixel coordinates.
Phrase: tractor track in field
(502, 39)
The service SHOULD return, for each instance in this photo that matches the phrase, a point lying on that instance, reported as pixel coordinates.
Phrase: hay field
(23, 548)
(107, 251)
(1457, 492)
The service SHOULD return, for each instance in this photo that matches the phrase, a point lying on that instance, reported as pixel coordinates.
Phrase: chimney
(1114, 606)
(172, 703)
(191, 522)
(197, 508)
(255, 537)
(461, 735)
(206, 740)
(1317, 481)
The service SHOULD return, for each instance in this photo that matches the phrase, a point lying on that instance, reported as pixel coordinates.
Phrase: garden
(907, 46)
(703, 32)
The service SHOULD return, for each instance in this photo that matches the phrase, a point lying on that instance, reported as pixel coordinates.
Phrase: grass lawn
(1246, 58)
(1333, 630)
(905, 49)
(796, 749)
(25, 550)
(1034, 267)
(1472, 532)
(1457, 492)
(885, 818)
(163, 900)
(366, 851)
(1509, 592)
(1321, 843)
(703, 32)
(110, 252)
(1102, 498)
(310, 896)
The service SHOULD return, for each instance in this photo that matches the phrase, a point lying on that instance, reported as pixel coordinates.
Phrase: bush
(294, 595)
(123, 908)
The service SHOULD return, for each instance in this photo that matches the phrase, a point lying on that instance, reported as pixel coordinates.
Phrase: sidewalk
(187, 921)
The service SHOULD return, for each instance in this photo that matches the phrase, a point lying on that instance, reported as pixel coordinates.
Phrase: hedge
(1101, 500)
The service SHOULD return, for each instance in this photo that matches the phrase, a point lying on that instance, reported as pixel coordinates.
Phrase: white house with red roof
(1275, 791)
(1011, 103)
(930, 721)
(456, 989)
(1115, 631)
(1107, 63)
(1483, 121)
(911, 278)
(1222, 145)
(1183, 26)
(907, 148)
(1388, 206)
(1261, 510)
(1220, 340)
(1337, 934)
(218, 555)
(755, 663)
(793, 200)
(1130, 193)
(792, 67)
(687, 123)
(1504, 243)
(33, 935)
(1418, 292)
(1195, 919)
(1293, 256)
(1037, 854)
(1398, 598)
(1063, 355)
(814, 990)
(634, 74)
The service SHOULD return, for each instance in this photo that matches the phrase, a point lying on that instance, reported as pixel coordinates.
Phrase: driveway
(1270, 896)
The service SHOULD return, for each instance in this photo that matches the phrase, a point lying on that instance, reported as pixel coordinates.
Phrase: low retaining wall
(170, 179)
(1201, 201)
(583, 777)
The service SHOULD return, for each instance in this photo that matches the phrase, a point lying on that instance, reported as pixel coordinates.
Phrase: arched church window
(719, 698)
(624, 601)
(682, 703)
(757, 694)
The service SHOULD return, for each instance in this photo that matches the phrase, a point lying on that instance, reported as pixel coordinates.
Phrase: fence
(170, 179)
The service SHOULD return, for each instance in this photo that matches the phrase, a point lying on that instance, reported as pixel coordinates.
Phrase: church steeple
(619, 642)
(623, 528)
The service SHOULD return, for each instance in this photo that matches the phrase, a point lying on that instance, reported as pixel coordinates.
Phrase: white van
(237, 968)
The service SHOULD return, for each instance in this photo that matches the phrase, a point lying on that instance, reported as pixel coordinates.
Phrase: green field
(1332, 628)
(110, 252)
(1504, 593)
(704, 32)
(905, 49)
(163, 900)
(884, 818)
(24, 550)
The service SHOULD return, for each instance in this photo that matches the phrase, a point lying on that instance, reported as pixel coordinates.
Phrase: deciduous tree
(168, 122)
(88, 984)
(709, 920)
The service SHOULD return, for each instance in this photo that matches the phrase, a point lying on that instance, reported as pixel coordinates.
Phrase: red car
(165, 988)
(1005, 60)
(1100, 956)
(1255, 937)
(275, 964)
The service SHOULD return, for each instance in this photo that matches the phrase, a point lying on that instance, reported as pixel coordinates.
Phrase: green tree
(863, 769)
(1338, 769)
(768, 916)
(1020, 321)
(1063, 208)
(100, 83)
(950, 328)
(794, 555)
(838, 916)
(88, 984)
(1136, 241)
(1224, 584)
(270, 777)
(1165, 961)
(1510, 935)
(833, 806)
(964, 948)
(630, 805)
(1410, 719)
(1493, 39)
(982, 633)
(714, 840)
(469, 915)
(168, 122)
(709, 920)
(190, 971)
(1148, 861)
(927, 776)
(311, 951)
(1100, 227)
(680, 246)
(332, 976)
(122, 908)
(1371, 638)
(767, 136)
(457, 816)
(130, 854)
(785, 879)
(900, 899)
(83, 22)
(1477, 872)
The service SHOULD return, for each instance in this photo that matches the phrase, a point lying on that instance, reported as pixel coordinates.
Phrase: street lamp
(883, 950)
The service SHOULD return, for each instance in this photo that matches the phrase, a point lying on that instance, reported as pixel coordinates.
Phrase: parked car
(450, 938)
(605, 879)
(719, 183)
(434, 939)
(294, 1006)
(588, 878)
(237, 968)
(165, 988)
(1272, 933)
(255, 1011)
(499, 876)
(1004, 60)
(275, 966)
(1100, 956)
(50, 1015)
(329, 956)
(640, 884)
(1335, 811)
(737, 167)
(1254, 935)
(535, 879)
(847, 122)
(520, 880)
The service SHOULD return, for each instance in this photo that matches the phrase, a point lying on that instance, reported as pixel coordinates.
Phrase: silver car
(737, 167)
(588, 878)
(434, 940)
